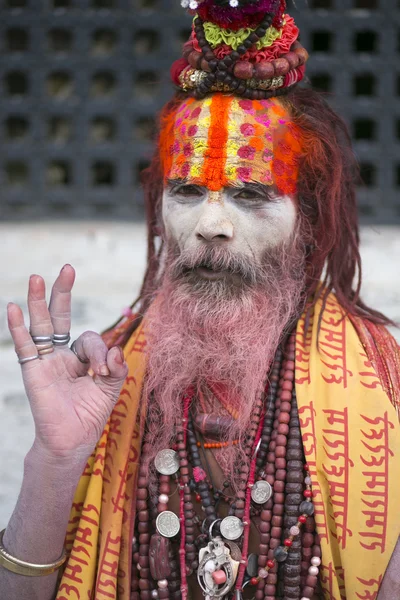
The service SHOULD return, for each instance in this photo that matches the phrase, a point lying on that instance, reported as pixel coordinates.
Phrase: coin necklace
(288, 558)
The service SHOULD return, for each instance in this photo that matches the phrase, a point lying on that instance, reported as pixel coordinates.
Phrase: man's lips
(210, 274)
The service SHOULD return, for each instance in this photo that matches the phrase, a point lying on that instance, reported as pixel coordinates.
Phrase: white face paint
(250, 219)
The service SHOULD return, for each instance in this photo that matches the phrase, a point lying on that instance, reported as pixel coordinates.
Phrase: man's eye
(250, 195)
(187, 190)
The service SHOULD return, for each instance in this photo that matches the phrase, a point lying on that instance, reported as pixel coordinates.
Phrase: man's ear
(158, 228)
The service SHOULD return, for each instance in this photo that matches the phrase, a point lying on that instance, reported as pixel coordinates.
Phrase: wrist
(36, 530)
(71, 460)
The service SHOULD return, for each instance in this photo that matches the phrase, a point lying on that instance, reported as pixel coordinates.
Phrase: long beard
(225, 332)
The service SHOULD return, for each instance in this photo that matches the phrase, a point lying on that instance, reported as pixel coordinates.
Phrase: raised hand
(70, 407)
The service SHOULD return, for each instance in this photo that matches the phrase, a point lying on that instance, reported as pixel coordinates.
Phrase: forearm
(37, 527)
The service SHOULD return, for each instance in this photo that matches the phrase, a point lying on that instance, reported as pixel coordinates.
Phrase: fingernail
(104, 370)
(119, 357)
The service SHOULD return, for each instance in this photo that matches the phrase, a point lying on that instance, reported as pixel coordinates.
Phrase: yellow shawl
(347, 394)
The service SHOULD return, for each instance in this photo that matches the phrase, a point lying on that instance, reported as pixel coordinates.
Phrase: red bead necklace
(289, 552)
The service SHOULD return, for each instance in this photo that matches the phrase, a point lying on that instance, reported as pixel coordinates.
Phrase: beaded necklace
(273, 486)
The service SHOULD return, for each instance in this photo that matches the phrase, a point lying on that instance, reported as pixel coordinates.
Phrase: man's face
(249, 220)
(230, 181)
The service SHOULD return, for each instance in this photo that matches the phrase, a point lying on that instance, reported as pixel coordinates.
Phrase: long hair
(326, 200)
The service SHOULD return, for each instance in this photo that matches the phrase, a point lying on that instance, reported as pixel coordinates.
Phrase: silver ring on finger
(72, 347)
(44, 344)
(22, 361)
(61, 339)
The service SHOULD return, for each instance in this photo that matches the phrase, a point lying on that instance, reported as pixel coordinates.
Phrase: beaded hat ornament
(250, 48)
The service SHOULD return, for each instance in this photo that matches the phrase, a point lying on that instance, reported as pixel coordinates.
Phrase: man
(246, 440)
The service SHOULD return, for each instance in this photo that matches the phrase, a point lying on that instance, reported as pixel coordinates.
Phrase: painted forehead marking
(216, 197)
(224, 140)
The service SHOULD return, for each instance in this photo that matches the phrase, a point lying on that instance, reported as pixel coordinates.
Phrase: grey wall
(82, 80)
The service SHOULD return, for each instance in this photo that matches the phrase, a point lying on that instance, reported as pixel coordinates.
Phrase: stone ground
(109, 259)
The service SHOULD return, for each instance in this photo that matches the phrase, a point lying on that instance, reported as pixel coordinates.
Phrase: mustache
(216, 259)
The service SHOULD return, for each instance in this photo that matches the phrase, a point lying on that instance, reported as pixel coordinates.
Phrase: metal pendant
(231, 528)
(261, 492)
(252, 565)
(217, 570)
(236, 552)
(167, 462)
(168, 524)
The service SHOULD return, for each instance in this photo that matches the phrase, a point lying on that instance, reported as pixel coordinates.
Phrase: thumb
(111, 384)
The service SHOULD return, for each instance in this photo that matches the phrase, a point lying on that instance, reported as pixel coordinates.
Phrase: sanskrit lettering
(335, 438)
(303, 345)
(119, 500)
(108, 568)
(69, 589)
(375, 488)
(332, 345)
(140, 342)
(81, 538)
(329, 576)
(371, 588)
(307, 424)
(368, 377)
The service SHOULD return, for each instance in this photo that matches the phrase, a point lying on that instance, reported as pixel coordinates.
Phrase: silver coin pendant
(231, 528)
(261, 492)
(168, 524)
(167, 462)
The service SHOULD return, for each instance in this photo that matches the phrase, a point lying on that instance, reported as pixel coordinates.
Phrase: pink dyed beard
(220, 332)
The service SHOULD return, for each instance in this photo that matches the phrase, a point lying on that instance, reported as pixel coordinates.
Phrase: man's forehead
(225, 141)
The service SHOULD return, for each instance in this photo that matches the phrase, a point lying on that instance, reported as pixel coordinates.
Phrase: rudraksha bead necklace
(273, 484)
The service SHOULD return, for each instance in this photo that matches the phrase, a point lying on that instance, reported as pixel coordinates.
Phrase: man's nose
(214, 224)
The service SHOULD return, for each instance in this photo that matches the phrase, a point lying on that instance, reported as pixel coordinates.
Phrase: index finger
(60, 300)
